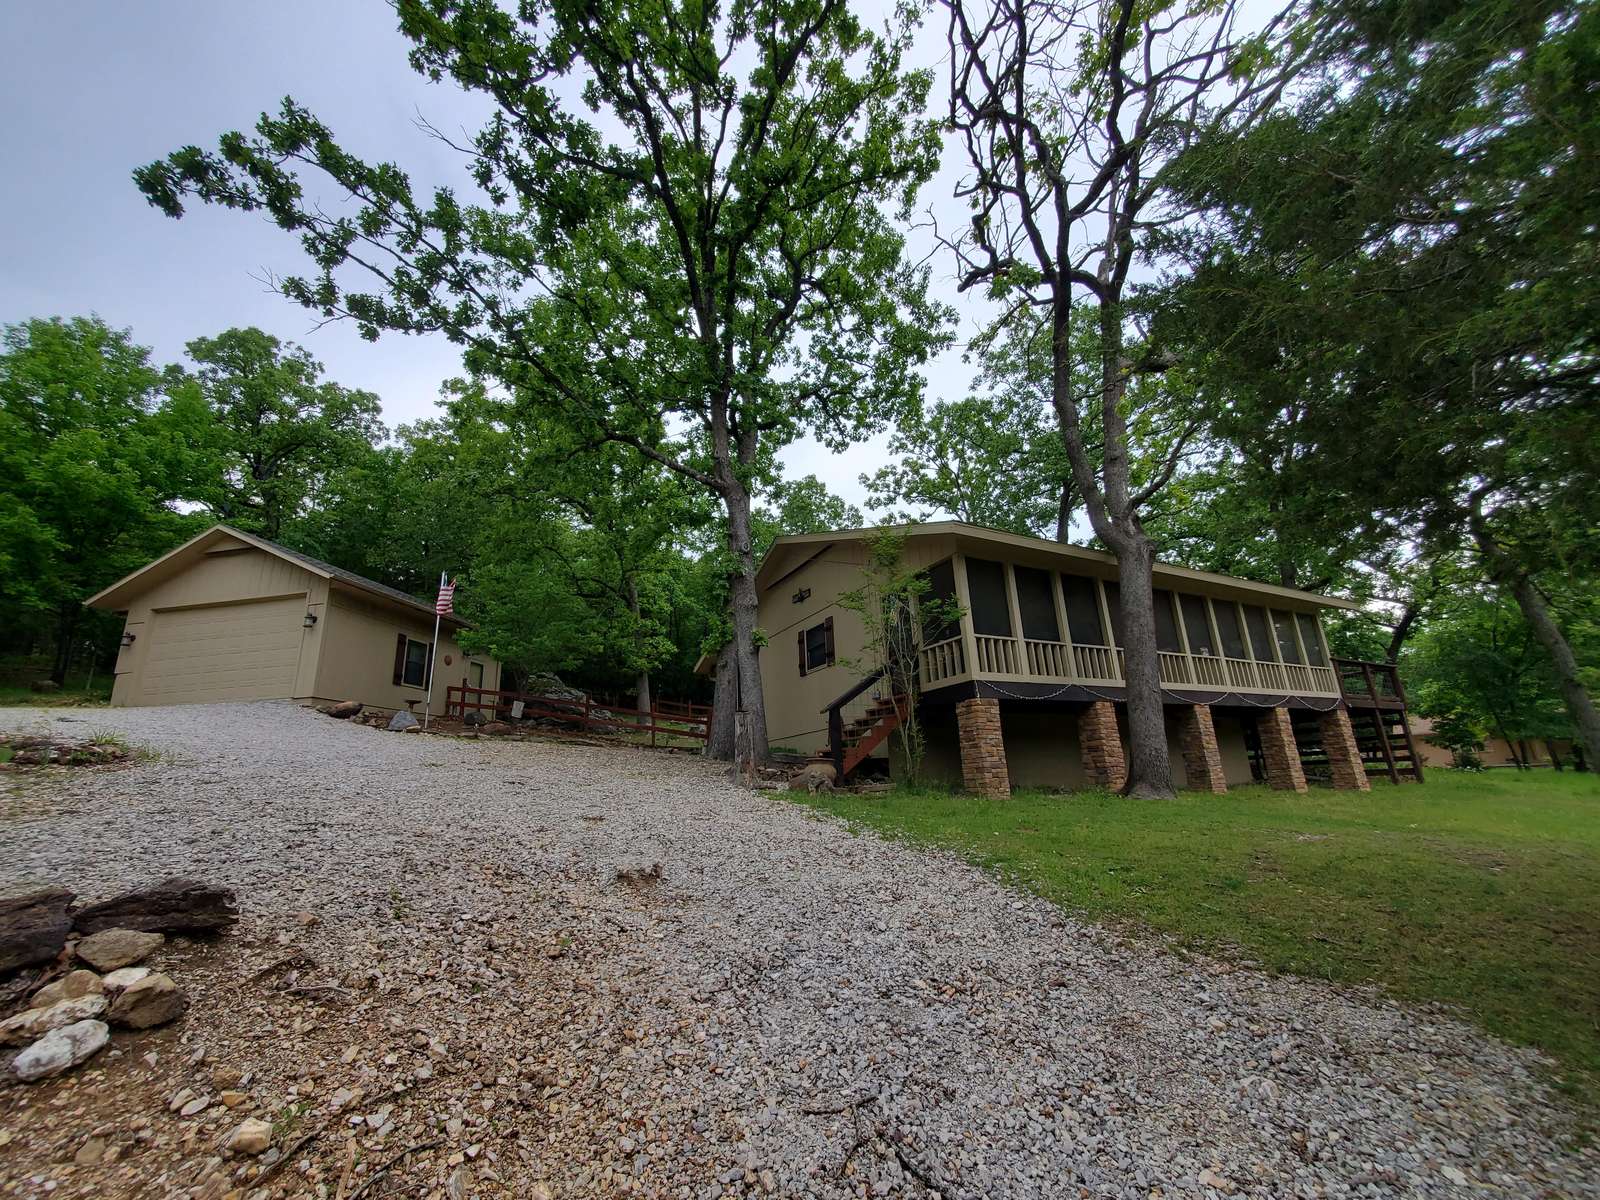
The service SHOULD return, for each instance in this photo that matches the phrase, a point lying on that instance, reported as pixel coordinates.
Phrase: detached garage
(232, 616)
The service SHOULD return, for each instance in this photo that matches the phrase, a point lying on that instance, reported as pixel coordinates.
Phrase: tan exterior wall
(357, 659)
(230, 579)
(794, 701)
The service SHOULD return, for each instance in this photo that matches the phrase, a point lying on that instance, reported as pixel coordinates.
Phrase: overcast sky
(93, 90)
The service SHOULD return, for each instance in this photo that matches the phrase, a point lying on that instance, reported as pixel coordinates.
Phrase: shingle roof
(350, 577)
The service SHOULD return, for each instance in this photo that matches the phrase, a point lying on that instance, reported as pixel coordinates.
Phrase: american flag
(447, 594)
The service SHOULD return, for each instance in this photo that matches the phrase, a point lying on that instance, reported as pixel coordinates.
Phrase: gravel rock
(251, 1137)
(69, 987)
(113, 948)
(61, 1049)
(36, 1022)
(795, 1009)
(153, 1000)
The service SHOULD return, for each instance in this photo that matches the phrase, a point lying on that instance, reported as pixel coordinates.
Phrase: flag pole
(433, 654)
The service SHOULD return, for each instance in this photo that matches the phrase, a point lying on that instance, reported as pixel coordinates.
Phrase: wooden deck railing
(673, 718)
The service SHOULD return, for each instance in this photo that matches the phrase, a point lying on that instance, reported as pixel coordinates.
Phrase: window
(1283, 624)
(1196, 626)
(1166, 623)
(1255, 620)
(1308, 635)
(1083, 610)
(1036, 599)
(411, 662)
(1227, 614)
(991, 612)
(1114, 609)
(816, 647)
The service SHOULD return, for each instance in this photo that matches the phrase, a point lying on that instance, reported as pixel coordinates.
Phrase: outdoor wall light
(311, 619)
(127, 638)
(801, 596)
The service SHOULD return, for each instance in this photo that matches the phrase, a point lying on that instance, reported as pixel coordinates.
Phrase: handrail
(836, 721)
(860, 686)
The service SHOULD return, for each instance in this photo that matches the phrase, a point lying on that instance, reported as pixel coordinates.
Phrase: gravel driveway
(437, 954)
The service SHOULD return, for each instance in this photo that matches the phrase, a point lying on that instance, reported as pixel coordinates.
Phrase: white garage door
(224, 652)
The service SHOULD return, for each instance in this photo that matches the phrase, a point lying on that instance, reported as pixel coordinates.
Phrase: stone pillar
(1280, 751)
(1100, 742)
(983, 749)
(1344, 756)
(1202, 761)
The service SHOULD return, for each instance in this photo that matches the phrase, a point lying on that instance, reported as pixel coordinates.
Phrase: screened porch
(1036, 624)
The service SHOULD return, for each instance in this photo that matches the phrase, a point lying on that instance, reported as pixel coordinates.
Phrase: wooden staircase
(867, 732)
(1376, 700)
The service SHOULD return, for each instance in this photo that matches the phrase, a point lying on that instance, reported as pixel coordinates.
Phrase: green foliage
(279, 431)
(96, 447)
(1478, 665)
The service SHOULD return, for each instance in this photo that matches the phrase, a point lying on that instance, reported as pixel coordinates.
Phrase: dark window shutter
(802, 652)
(400, 661)
(827, 633)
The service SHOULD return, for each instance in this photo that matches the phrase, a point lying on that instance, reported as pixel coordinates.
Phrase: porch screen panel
(942, 591)
(1038, 605)
(1228, 629)
(1283, 625)
(1166, 623)
(1196, 626)
(1114, 606)
(1083, 610)
(1308, 635)
(991, 613)
(1255, 620)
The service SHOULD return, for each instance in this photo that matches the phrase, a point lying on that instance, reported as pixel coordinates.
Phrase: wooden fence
(672, 718)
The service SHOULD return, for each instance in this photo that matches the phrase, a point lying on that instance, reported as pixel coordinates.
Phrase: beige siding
(358, 650)
(241, 597)
(794, 702)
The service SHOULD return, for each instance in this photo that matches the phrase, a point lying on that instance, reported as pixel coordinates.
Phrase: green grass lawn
(11, 695)
(1478, 890)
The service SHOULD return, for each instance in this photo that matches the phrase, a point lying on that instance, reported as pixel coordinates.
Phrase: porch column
(1279, 750)
(1202, 760)
(983, 750)
(1100, 743)
(1344, 756)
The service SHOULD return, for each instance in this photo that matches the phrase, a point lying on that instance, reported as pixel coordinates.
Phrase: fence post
(588, 707)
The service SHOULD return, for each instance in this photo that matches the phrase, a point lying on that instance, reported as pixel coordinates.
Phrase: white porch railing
(1061, 662)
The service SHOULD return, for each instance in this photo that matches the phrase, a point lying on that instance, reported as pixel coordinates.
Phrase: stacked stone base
(1100, 742)
(1344, 756)
(1280, 751)
(1202, 757)
(983, 749)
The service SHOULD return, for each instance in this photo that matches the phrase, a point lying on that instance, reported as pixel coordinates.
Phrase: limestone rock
(33, 927)
(252, 1137)
(123, 977)
(113, 948)
(171, 906)
(401, 720)
(36, 1022)
(69, 987)
(61, 1049)
(153, 1000)
(475, 717)
(814, 777)
(495, 727)
(344, 710)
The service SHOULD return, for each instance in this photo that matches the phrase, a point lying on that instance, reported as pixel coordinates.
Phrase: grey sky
(93, 90)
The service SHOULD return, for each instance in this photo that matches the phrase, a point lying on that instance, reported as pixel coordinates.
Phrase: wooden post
(1380, 724)
(836, 741)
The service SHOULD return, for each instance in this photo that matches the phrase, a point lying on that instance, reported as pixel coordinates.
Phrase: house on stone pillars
(1026, 689)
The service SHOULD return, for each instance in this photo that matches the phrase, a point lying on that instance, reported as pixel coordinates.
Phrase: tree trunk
(643, 690)
(66, 627)
(1555, 755)
(1580, 705)
(742, 608)
(724, 700)
(1149, 762)
(1064, 512)
(1402, 630)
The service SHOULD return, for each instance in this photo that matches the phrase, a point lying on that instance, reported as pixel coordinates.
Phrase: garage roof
(116, 597)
